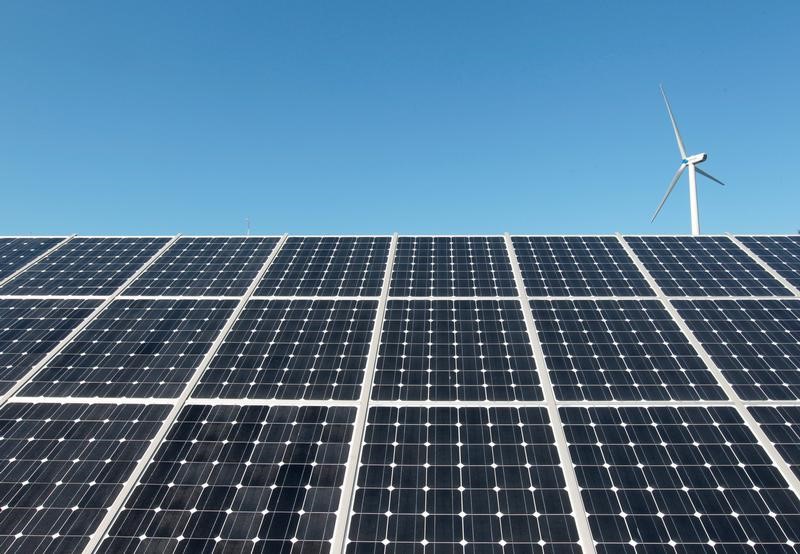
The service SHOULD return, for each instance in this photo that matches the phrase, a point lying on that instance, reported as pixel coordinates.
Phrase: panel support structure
(573, 490)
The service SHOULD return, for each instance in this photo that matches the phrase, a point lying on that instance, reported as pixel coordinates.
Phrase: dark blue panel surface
(578, 266)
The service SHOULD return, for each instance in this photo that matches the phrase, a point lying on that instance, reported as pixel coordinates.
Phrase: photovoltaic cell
(452, 266)
(293, 349)
(134, 348)
(462, 481)
(703, 266)
(578, 266)
(619, 350)
(756, 343)
(85, 267)
(455, 350)
(678, 480)
(16, 252)
(62, 467)
(781, 424)
(29, 329)
(327, 266)
(781, 253)
(251, 479)
(205, 266)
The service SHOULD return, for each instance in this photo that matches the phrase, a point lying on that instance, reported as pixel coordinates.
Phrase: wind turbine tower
(690, 163)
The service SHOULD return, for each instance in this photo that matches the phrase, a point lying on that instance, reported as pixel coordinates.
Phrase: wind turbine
(689, 162)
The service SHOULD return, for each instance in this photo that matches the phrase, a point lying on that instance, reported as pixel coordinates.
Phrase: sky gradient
(410, 117)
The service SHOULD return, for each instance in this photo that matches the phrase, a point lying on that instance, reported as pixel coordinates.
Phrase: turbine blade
(669, 190)
(681, 147)
(706, 174)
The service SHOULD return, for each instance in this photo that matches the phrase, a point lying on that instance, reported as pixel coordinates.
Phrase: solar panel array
(392, 395)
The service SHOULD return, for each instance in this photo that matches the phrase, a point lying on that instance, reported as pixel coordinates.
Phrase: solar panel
(29, 329)
(781, 253)
(16, 252)
(240, 479)
(452, 266)
(689, 479)
(317, 411)
(578, 266)
(756, 343)
(619, 350)
(134, 348)
(327, 266)
(447, 479)
(703, 266)
(205, 266)
(311, 349)
(455, 350)
(85, 267)
(781, 424)
(63, 465)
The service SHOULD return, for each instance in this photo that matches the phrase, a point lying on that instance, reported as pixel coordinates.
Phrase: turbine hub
(696, 159)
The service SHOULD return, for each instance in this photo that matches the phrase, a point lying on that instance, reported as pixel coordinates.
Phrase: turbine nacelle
(696, 159)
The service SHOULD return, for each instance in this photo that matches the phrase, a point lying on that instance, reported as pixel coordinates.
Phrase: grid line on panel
(679, 479)
(202, 266)
(786, 271)
(619, 349)
(451, 266)
(102, 529)
(461, 480)
(339, 538)
(578, 509)
(134, 349)
(327, 266)
(10, 260)
(292, 349)
(733, 396)
(85, 323)
(87, 265)
(62, 466)
(755, 343)
(455, 350)
(250, 479)
(577, 266)
(30, 328)
(702, 266)
(781, 424)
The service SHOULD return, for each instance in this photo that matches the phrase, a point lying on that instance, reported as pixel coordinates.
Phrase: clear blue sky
(374, 117)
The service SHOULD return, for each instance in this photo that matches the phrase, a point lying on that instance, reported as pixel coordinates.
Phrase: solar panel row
(458, 449)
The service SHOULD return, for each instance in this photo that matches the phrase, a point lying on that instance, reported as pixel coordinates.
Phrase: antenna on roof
(686, 161)
(247, 220)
